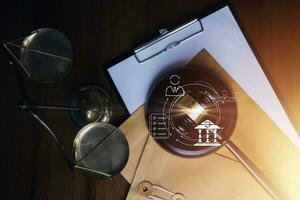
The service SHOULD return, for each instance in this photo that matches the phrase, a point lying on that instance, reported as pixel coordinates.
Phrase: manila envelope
(219, 175)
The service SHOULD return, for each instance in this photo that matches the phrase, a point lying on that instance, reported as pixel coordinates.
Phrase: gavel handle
(252, 169)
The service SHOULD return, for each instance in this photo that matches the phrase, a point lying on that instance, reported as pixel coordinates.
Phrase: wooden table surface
(101, 32)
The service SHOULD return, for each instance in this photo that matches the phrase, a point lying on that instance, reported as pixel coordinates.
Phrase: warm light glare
(187, 105)
(195, 111)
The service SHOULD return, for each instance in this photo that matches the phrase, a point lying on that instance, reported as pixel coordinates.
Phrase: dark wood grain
(101, 32)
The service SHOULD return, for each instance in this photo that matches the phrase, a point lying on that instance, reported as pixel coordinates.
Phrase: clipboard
(219, 33)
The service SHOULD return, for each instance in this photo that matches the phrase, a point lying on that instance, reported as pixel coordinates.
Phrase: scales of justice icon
(211, 132)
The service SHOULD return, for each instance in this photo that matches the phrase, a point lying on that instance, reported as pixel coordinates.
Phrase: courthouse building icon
(210, 132)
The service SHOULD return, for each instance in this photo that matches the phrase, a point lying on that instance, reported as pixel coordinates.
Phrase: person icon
(174, 89)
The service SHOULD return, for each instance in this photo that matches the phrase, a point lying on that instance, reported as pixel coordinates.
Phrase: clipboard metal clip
(168, 40)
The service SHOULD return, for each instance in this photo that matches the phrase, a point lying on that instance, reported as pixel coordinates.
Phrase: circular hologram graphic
(193, 123)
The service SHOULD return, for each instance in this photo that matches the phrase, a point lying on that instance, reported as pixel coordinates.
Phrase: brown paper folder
(217, 176)
(136, 132)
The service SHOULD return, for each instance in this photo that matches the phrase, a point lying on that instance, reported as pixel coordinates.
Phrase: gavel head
(193, 118)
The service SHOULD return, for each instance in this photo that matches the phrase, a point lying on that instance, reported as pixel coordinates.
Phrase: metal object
(47, 55)
(25, 106)
(55, 138)
(202, 92)
(100, 149)
(86, 105)
(95, 105)
(164, 33)
(13, 60)
(156, 192)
